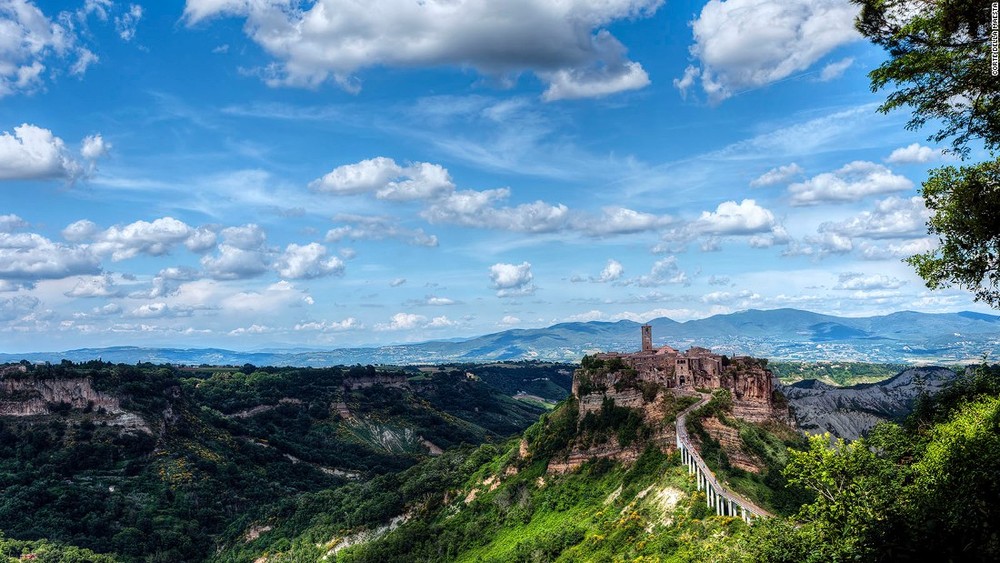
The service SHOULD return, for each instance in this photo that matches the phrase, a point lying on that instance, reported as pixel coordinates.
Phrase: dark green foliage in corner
(922, 491)
(965, 207)
(938, 52)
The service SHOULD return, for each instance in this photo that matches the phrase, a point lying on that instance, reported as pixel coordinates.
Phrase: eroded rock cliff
(850, 412)
(22, 396)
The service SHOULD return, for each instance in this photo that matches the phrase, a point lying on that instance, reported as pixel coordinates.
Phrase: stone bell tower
(647, 338)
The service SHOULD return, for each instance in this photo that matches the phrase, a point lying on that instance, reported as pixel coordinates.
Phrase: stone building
(747, 378)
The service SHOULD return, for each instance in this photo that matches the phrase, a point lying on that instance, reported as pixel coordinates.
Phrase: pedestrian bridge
(725, 503)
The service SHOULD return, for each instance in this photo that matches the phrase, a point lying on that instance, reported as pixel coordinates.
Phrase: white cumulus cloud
(154, 238)
(565, 43)
(442, 203)
(31, 43)
(366, 227)
(744, 44)
(914, 154)
(893, 217)
(33, 153)
(242, 254)
(731, 218)
(166, 282)
(852, 182)
(480, 209)
(403, 321)
(158, 309)
(252, 329)
(441, 322)
(664, 271)
(386, 179)
(621, 220)
(511, 280)
(860, 281)
(611, 272)
(16, 307)
(871, 250)
(509, 320)
(94, 147)
(10, 223)
(28, 257)
(95, 286)
(307, 262)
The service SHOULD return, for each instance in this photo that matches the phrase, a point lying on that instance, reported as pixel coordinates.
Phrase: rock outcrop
(31, 397)
(850, 412)
(747, 379)
(383, 379)
(731, 443)
(28, 396)
(651, 381)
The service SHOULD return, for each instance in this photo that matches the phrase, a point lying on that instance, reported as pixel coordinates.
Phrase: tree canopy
(965, 203)
(939, 65)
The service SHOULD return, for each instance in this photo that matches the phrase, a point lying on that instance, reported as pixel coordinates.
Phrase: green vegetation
(210, 449)
(602, 512)
(834, 373)
(939, 52)
(215, 481)
(940, 65)
(924, 490)
(43, 551)
(964, 203)
(908, 492)
(503, 504)
(546, 380)
(764, 449)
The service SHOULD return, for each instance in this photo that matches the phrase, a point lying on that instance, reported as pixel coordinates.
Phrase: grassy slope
(499, 505)
(766, 444)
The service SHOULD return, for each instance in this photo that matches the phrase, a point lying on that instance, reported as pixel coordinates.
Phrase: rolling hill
(780, 334)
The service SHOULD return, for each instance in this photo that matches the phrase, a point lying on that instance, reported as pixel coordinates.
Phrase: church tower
(647, 338)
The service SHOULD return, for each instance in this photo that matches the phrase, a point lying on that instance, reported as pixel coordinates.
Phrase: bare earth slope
(850, 412)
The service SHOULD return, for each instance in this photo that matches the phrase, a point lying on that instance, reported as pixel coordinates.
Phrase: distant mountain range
(780, 334)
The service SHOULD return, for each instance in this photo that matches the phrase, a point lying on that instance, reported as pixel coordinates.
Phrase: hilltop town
(747, 378)
(653, 385)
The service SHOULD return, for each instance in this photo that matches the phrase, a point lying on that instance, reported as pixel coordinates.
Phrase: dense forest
(208, 448)
(905, 492)
(259, 464)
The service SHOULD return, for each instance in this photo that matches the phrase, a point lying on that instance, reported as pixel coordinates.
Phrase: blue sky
(275, 173)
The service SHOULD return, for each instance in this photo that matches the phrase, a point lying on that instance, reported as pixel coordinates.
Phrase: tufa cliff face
(747, 379)
(617, 397)
(383, 379)
(29, 396)
(647, 389)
